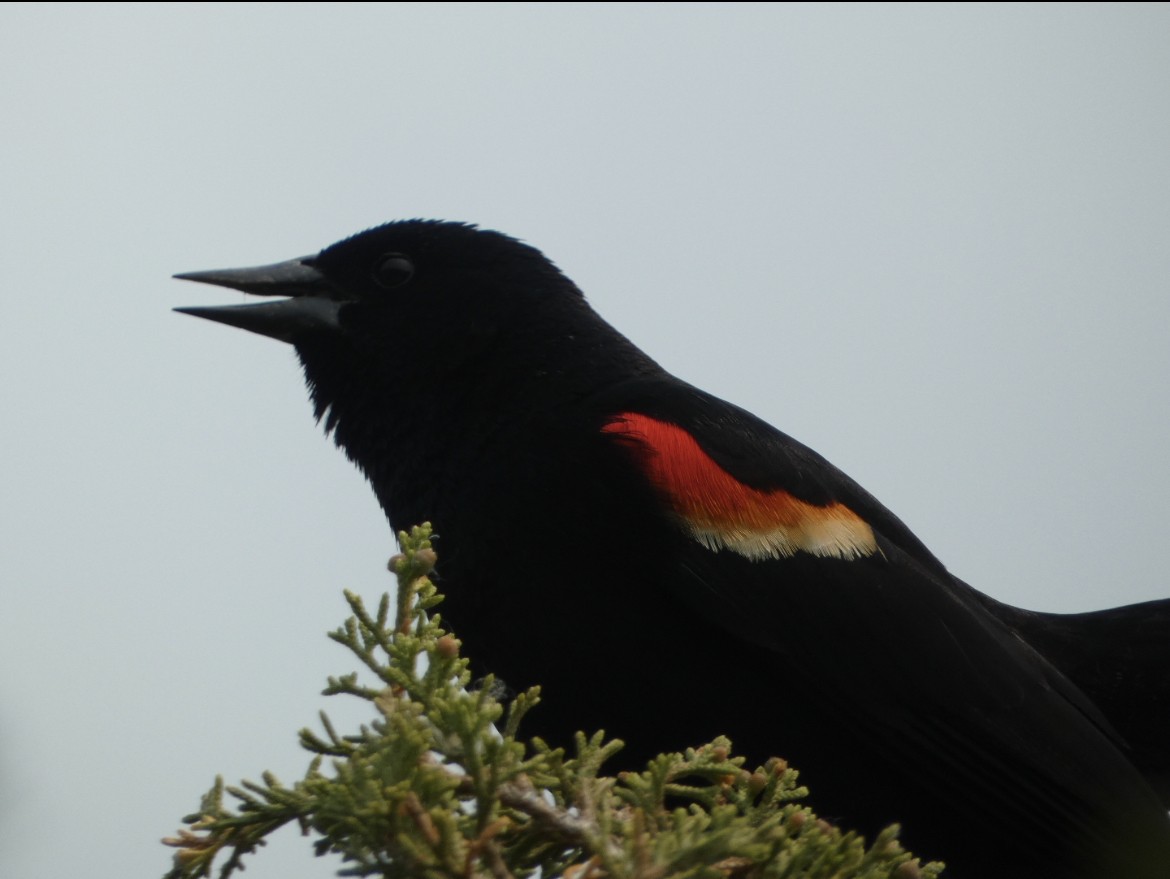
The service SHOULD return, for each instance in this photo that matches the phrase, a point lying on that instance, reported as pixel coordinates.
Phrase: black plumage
(688, 571)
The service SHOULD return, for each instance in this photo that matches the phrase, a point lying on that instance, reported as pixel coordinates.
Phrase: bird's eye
(393, 270)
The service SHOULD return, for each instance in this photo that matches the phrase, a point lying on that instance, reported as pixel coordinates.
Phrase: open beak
(312, 304)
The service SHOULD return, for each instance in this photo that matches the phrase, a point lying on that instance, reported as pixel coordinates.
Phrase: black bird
(689, 571)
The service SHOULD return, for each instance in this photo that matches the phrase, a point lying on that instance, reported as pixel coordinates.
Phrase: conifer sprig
(440, 785)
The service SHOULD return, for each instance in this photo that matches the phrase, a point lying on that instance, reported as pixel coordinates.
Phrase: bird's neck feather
(417, 425)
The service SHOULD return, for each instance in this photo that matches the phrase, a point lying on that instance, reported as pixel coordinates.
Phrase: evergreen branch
(429, 789)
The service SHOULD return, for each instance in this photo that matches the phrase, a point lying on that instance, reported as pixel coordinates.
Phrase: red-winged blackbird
(688, 571)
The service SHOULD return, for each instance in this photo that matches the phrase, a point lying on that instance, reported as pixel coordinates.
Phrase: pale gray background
(931, 242)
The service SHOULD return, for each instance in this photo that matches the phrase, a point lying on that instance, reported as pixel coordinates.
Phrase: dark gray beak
(312, 302)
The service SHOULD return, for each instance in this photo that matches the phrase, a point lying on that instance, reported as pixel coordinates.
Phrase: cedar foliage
(441, 785)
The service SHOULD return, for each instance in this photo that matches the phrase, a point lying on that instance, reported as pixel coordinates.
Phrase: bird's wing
(720, 461)
(785, 551)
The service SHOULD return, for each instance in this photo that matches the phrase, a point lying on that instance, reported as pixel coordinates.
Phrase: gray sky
(931, 242)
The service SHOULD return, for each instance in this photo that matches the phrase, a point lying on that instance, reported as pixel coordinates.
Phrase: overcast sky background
(932, 242)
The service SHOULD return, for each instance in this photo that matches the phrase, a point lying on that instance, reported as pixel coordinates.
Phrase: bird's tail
(1120, 659)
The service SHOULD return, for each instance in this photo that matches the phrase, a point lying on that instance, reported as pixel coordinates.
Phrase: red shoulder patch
(723, 513)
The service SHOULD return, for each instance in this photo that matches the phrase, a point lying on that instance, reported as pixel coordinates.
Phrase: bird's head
(444, 309)
(409, 277)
